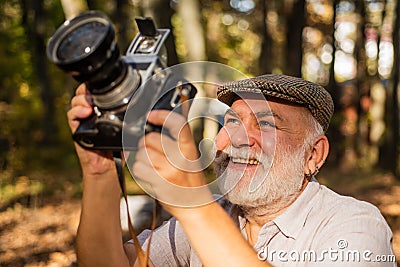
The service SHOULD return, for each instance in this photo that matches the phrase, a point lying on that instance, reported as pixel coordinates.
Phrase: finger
(77, 113)
(151, 139)
(141, 170)
(142, 156)
(159, 165)
(174, 122)
(182, 153)
(158, 142)
(145, 173)
(149, 167)
(80, 100)
(153, 156)
(81, 90)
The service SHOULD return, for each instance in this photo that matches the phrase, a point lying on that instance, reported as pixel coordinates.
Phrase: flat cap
(283, 87)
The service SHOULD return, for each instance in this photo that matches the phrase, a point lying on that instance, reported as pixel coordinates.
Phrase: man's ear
(317, 156)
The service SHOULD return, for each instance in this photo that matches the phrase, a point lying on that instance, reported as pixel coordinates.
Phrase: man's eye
(231, 121)
(264, 124)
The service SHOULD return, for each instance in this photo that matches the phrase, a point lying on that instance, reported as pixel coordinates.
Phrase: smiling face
(262, 151)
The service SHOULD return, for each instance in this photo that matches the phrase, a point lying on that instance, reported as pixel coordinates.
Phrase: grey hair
(314, 129)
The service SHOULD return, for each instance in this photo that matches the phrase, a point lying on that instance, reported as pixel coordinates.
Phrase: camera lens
(80, 42)
(86, 48)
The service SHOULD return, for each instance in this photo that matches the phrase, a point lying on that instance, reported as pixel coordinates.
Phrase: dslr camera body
(123, 89)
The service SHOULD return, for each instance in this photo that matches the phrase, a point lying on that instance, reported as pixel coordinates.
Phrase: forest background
(352, 48)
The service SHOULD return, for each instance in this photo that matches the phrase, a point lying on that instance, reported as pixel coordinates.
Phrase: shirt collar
(292, 220)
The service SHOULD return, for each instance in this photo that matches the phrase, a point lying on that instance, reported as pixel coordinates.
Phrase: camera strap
(143, 257)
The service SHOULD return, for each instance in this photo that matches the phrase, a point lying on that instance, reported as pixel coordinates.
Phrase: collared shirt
(320, 228)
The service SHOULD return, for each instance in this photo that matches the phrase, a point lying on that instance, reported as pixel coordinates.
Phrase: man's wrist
(194, 214)
(96, 175)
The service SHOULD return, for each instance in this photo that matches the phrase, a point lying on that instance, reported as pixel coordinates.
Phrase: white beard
(271, 188)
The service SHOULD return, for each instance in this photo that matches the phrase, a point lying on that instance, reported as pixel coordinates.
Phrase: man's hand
(170, 162)
(92, 162)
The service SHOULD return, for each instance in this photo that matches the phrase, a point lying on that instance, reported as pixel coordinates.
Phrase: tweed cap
(287, 88)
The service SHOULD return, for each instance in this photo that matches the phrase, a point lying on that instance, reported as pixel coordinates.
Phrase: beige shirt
(320, 228)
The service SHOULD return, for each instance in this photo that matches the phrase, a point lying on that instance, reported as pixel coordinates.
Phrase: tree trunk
(123, 24)
(161, 12)
(34, 28)
(190, 12)
(264, 62)
(195, 43)
(295, 25)
(385, 19)
(333, 130)
(73, 7)
(393, 154)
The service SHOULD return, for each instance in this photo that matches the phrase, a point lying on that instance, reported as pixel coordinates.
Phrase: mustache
(221, 161)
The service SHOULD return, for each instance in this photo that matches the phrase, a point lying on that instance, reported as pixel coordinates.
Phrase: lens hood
(84, 44)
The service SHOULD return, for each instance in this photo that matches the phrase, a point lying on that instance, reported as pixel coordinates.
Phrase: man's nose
(242, 136)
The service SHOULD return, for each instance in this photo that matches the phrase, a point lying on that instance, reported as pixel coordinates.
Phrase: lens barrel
(86, 48)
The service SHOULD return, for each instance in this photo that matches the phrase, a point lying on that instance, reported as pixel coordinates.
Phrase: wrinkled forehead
(250, 105)
(260, 101)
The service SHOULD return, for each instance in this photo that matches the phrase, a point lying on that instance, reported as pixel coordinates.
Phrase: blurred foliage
(22, 149)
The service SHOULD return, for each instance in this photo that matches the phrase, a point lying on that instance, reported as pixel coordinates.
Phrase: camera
(85, 47)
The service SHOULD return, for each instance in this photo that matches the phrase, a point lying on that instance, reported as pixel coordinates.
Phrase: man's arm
(211, 232)
(99, 239)
(215, 237)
